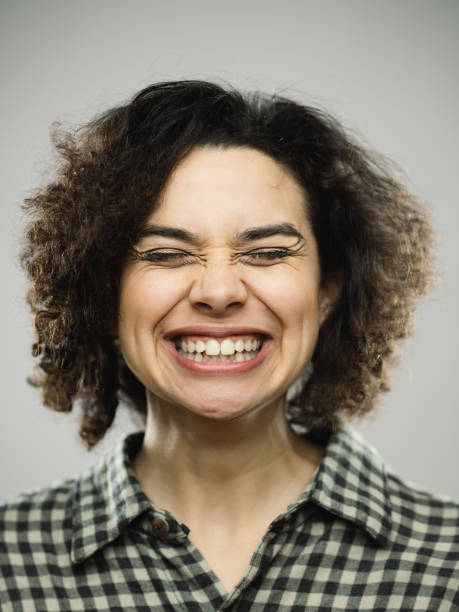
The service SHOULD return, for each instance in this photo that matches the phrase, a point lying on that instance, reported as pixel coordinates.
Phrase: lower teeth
(204, 358)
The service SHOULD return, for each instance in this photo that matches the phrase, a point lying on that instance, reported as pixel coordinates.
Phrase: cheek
(292, 298)
(146, 298)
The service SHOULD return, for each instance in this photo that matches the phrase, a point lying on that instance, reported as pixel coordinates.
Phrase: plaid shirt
(358, 538)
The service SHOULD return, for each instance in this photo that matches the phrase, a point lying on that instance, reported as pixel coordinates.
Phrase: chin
(220, 412)
(225, 409)
(219, 415)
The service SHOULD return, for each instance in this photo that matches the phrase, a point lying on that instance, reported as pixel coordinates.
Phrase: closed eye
(177, 257)
(265, 256)
(172, 256)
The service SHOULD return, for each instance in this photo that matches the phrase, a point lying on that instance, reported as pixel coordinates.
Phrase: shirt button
(160, 528)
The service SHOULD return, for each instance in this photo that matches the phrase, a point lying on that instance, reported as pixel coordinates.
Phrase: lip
(215, 331)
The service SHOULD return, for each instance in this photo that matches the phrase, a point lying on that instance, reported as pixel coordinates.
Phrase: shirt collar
(350, 482)
(107, 499)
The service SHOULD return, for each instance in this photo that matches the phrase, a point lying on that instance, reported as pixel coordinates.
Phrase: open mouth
(230, 349)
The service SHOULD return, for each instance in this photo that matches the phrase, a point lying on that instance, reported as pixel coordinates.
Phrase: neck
(189, 461)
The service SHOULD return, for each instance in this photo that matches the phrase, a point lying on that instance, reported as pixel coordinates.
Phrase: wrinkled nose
(218, 289)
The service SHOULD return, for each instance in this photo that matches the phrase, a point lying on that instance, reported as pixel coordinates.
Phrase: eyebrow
(265, 231)
(247, 235)
(168, 232)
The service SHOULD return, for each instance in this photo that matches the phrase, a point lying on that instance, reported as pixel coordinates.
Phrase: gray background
(387, 68)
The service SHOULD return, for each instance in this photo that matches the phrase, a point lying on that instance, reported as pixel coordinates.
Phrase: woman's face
(221, 312)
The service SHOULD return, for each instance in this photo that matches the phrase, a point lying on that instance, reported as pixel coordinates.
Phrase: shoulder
(72, 515)
(35, 535)
(42, 518)
(37, 538)
(34, 515)
(423, 518)
(407, 516)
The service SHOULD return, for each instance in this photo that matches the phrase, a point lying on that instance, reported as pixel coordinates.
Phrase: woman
(238, 270)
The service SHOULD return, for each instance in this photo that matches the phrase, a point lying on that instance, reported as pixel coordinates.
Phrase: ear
(329, 293)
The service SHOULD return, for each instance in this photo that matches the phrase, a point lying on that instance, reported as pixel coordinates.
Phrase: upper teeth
(223, 347)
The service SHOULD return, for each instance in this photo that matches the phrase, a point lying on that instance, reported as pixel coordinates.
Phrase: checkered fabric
(358, 538)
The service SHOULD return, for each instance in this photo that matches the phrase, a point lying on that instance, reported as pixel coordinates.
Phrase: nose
(218, 289)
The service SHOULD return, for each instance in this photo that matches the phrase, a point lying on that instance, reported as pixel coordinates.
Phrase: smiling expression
(221, 306)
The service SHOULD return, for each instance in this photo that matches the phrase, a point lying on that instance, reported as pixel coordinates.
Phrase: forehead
(234, 186)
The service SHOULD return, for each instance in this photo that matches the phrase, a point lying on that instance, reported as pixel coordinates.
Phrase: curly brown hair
(83, 225)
